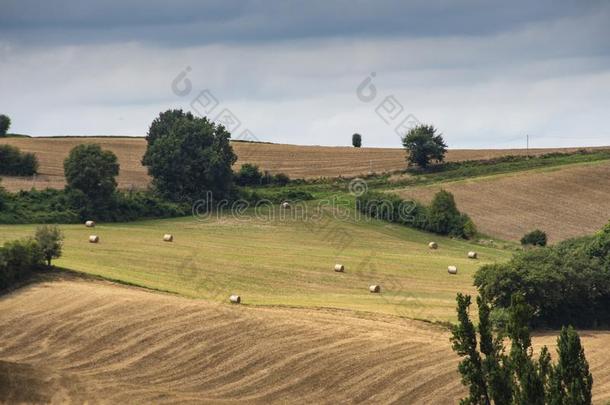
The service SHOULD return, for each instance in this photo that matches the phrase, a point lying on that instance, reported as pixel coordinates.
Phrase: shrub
(188, 157)
(568, 283)
(357, 140)
(72, 206)
(91, 170)
(18, 259)
(50, 241)
(281, 179)
(423, 144)
(534, 238)
(249, 175)
(5, 124)
(445, 219)
(13, 162)
(441, 217)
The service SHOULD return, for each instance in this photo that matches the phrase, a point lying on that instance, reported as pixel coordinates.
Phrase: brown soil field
(71, 340)
(294, 160)
(565, 202)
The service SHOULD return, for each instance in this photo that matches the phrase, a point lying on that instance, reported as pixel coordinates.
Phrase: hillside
(294, 160)
(565, 201)
(178, 350)
(278, 258)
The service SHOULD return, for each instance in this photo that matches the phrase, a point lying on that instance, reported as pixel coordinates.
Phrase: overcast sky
(312, 72)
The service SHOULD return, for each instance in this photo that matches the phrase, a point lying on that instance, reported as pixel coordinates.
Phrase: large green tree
(423, 144)
(188, 157)
(92, 171)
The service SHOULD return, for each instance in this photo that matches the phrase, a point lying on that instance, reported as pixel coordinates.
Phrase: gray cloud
(486, 74)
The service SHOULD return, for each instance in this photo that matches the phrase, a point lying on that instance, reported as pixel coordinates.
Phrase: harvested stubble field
(565, 201)
(70, 340)
(294, 160)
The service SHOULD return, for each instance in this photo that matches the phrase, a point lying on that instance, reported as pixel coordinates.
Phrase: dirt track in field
(565, 202)
(294, 160)
(75, 340)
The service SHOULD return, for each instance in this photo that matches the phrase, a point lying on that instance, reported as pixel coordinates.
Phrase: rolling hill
(278, 258)
(294, 160)
(70, 340)
(566, 201)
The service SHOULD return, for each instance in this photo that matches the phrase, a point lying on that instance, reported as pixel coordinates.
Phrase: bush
(445, 219)
(442, 217)
(568, 283)
(91, 170)
(248, 175)
(423, 144)
(13, 162)
(534, 238)
(72, 206)
(5, 124)
(357, 140)
(50, 241)
(18, 259)
(188, 157)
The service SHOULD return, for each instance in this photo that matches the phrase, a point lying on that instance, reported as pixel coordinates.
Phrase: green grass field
(279, 261)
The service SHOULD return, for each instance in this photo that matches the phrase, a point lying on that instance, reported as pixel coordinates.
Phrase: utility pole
(527, 137)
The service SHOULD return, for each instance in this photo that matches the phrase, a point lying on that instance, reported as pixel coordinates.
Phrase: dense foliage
(423, 144)
(5, 124)
(91, 171)
(441, 217)
(59, 206)
(50, 241)
(534, 238)
(517, 377)
(445, 219)
(18, 259)
(251, 175)
(356, 140)
(13, 162)
(188, 157)
(568, 283)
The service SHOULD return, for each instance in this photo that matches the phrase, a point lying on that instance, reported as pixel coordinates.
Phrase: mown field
(69, 340)
(280, 261)
(565, 201)
(294, 160)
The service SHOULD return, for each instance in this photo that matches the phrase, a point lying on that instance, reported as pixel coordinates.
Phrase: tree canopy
(423, 144)
(188, 157)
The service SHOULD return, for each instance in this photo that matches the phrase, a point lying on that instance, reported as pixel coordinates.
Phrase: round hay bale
(168, 237)
(94, 239)
(433, 245)
(339, 268)
(90, 224)
(452, 270)
(285, 205)
(374, 288)
(472, 255)
(235, 299)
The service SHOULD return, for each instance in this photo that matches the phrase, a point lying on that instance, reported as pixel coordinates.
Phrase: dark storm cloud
(190, 22)
(484, 72)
